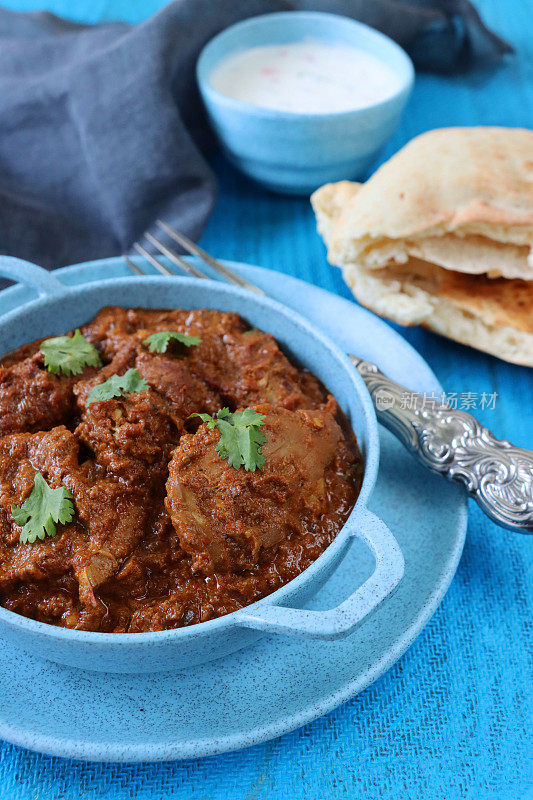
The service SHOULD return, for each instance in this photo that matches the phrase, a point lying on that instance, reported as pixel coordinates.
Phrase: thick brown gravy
(166, 533)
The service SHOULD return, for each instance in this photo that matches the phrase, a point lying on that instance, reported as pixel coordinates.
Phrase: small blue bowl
(295, 153)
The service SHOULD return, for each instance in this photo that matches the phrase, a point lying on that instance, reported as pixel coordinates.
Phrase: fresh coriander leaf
(117, 386)
(158, 342)
(42, 510)
(208, 419)
(69, 354)
(241, 439)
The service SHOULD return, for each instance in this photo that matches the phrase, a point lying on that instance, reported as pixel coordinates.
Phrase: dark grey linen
(100, 127)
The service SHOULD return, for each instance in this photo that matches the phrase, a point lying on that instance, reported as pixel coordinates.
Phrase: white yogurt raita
(310, 77)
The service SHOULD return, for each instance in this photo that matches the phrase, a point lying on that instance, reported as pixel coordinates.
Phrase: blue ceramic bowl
(291, 152)
(60, 308)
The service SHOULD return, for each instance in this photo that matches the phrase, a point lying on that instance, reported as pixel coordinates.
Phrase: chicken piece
(132, 436)
(123, 360)
(32, 398)
(227, 518)
(171, 377)
(278, 381)
(141, 322)
(243, 366)
(108, 330)
(108, 522)
(168, 374)
(247, 367)
(113, 325)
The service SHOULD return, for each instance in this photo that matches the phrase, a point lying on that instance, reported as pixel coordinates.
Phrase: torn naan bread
(460, 198)
(493, 315)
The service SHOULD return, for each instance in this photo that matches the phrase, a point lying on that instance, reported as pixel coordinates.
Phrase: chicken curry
(162, 468)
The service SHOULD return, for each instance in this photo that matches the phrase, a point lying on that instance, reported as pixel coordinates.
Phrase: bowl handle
(30, 274)
(342, 620)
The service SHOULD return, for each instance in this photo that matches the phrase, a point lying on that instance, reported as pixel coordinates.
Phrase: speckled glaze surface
(297, 153)
(279, 682)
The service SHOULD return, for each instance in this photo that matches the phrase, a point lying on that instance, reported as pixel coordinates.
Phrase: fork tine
(175, 258)
(195, 250)
(132, 265)
(149, 257)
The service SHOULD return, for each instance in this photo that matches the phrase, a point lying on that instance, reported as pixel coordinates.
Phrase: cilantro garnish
(117, 386)
(69, 354)
(241, 439)
(42, 509)
(158, 342)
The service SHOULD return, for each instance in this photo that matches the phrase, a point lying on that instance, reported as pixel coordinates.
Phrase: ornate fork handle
(497, 475)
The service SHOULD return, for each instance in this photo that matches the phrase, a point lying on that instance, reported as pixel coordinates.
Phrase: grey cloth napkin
(100, 126)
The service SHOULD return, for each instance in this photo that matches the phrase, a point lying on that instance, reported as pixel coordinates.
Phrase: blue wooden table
(453, 717)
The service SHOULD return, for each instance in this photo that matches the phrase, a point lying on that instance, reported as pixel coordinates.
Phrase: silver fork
(495, 473)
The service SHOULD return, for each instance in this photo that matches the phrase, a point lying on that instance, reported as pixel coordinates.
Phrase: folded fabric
(99, 126)
(442, 236)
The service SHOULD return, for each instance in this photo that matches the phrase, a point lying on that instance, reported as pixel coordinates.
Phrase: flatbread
(461, 198)
(495, 316)
(496, 320)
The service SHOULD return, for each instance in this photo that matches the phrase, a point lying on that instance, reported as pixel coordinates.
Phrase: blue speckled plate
(279, 683)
